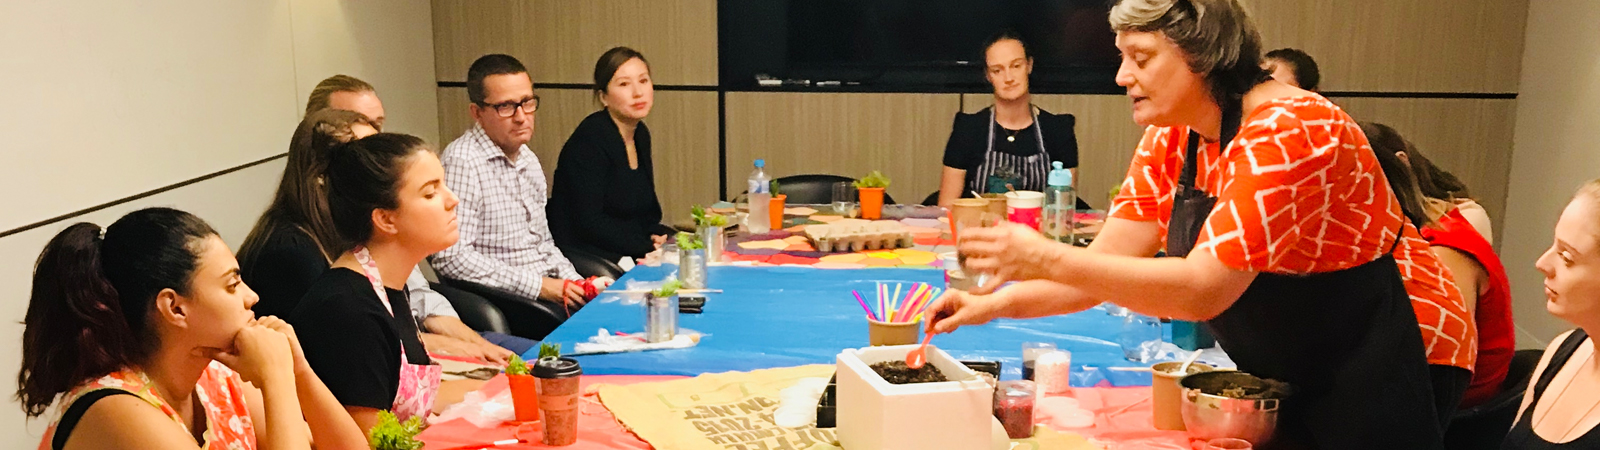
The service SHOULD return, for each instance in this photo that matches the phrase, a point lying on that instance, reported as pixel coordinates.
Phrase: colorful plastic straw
(864, 306)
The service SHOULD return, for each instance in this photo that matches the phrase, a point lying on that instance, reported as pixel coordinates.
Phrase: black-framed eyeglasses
(508, 108)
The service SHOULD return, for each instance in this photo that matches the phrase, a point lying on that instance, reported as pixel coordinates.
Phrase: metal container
(660, 318)
(692, 268)
(1209, 416)
(716, 242)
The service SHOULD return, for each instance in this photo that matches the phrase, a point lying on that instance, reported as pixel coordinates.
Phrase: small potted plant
(661, 312)
(524, 389)
(390, 434)
(776, 208)
(710, 227)
(691, 260)
(870, 188)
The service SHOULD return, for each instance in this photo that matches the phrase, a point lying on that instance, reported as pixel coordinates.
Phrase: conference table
(781, 316)
(768, 316)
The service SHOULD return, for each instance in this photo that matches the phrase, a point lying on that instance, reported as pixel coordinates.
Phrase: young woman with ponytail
(389, 203)
(142, 336)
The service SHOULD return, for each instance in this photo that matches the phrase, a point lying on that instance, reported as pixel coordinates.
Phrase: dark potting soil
(1241, 386)
(897, 372)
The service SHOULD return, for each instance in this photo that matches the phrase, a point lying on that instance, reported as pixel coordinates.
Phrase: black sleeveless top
(1522, 435)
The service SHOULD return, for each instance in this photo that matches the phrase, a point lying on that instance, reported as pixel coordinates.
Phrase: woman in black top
(387, 199)
(1561, 409)
(604, 198)
(293, 241)
(1010, 145)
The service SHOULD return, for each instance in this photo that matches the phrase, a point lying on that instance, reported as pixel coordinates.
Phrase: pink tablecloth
(1118, 426)
(597, 430)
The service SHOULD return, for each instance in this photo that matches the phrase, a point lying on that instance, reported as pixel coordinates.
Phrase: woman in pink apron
(388, 200)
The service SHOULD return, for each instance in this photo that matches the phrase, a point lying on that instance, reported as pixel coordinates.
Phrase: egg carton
(858, 235)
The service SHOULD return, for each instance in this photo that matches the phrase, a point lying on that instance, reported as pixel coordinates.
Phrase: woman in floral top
(1279, 228)
(142, 337)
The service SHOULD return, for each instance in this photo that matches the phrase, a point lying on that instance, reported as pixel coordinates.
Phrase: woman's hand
(957, 308)
(287, 330)
(658, 239)
(262, 356)
(1005, 252)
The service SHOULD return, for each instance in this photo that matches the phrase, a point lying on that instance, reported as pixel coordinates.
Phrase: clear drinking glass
(980, 220)
(844, 198)
(1140, 337)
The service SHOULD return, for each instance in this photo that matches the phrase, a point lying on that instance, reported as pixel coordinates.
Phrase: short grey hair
(1217, 36)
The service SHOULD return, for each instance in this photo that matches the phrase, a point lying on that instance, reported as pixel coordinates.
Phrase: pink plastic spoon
(918, 357)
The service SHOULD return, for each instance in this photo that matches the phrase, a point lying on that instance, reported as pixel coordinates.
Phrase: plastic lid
(557, 368)
(1059, 176)
(761, 163)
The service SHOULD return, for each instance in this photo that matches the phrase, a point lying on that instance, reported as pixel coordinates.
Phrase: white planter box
(876, 415)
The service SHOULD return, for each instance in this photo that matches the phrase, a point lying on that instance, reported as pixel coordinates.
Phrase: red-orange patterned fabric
(1299, 191)
(221, 398)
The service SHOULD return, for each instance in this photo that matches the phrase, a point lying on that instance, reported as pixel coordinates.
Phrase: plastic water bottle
(760, 193)
(1060, 205)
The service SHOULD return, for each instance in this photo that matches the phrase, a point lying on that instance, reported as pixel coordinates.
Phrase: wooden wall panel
(1106, 137)
(683, 126)
(1470, 138)
(560, 40)
(842, 134)
(1402, 45)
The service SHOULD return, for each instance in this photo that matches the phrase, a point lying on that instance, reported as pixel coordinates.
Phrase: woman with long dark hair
(294, 242)
(388, 200)
(1477, 270)
(604, 197)
(142, 334)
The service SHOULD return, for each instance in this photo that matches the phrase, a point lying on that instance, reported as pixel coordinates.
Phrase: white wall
(1558, 113)
(104, 100)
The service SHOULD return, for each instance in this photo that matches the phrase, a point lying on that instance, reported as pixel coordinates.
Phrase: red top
(1497, 340)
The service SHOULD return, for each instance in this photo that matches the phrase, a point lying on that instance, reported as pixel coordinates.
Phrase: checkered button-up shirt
(505, 238)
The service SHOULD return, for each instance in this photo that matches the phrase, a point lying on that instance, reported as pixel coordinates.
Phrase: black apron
(1347, 341)
(1023, 173)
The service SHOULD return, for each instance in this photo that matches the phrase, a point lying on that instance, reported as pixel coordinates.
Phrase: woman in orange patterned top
(142, 336)
(1292, 228)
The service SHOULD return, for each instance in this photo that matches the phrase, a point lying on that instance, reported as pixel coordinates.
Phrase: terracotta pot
(776, 211)
(525, 396)
(871, 203)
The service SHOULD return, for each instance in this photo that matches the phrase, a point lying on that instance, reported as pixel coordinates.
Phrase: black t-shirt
(966, 147)
(352, 343)
(282, 269)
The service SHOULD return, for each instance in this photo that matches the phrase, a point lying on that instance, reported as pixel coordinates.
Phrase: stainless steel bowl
(1213, 416)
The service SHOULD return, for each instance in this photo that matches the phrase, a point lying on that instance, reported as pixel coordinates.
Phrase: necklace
(1552, 406)
(1011, 136)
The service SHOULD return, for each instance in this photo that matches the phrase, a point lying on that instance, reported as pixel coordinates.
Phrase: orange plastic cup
(525, 396)
(871, 203)
(775, 211)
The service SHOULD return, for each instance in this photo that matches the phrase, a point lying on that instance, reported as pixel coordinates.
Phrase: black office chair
(524, 317)
(814, 189)
(590, 265)
(475, 311)
(1485, 425)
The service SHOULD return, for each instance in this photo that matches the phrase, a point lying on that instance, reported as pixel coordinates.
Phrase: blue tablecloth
(786, 316)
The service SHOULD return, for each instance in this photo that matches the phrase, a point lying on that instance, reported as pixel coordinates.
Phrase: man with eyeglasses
(505, 239)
